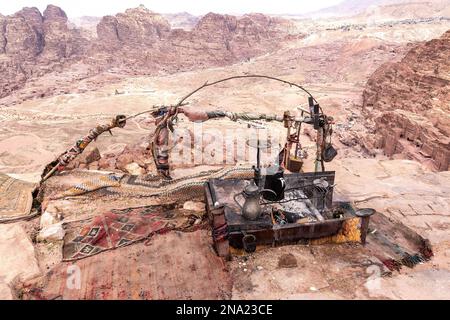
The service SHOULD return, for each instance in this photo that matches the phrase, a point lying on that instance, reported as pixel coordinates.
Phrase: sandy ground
(334, 66)
(346, 271)
(400, 189)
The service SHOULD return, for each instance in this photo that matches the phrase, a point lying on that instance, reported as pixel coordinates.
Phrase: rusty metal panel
(295, 232)
(264, 229)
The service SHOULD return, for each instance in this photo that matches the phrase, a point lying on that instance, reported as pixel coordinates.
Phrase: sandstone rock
(136, 153)
(147, 42)
(194, 206)
(35, 45)
(407, 101)
(2, 35)
(50, 218)
(33, 17)
(89, 156)
(235, 38)
(107, 30)
(94, 166)
(136, 26)
(13, 76)
(134, 169)
(22, 34)
(107, 163)
(75, 163)
(123, 160)
(349, 139)
(57, 34)
(52, 233)
(135, 42)
(54, 13)
(18, 257)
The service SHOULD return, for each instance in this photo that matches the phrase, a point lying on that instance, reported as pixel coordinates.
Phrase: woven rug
(396, 245)
(16, 198)
(176, 265)
(119, 228)
(89, 184)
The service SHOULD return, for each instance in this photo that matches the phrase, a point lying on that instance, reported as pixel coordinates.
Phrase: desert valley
(381, 69)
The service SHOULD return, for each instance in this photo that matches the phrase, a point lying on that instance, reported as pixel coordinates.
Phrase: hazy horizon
(90, 8)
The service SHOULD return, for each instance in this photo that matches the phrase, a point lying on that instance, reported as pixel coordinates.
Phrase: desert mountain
(181, 20)
(32, 44)
(145, 43)
(137, 42)
(422, 8)
(408, 102)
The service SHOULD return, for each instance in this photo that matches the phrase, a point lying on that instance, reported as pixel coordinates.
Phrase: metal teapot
(251, 209)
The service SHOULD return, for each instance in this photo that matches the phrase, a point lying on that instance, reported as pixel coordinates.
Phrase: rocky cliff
(243, 37)
(136, 42)
(147, 42)
(409, 105)
(30, 42)
(138, 27)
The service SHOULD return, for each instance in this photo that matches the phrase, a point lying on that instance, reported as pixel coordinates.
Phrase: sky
(78, 8)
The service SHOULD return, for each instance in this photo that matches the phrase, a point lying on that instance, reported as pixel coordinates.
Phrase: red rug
(118, 228)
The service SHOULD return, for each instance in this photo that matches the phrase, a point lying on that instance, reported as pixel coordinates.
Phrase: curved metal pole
(241, 77)
(207, 84)
(168, 119)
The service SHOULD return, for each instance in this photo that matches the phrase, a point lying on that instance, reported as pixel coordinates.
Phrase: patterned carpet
(15, 198)
(176, 265)
(119, 228)
(78, 183)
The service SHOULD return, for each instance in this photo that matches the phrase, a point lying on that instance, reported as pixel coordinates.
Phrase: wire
(206, 84)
